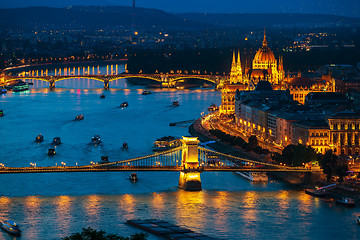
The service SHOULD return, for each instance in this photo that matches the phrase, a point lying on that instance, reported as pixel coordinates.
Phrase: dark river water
(54, 205)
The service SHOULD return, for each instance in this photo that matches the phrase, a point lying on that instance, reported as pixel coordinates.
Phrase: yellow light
(136, 33)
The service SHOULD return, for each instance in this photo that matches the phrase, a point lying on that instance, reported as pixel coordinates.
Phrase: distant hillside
(91, 16)
(233, 20)
(94, 16)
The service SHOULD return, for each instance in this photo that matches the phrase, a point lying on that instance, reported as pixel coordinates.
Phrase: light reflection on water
(51, 206)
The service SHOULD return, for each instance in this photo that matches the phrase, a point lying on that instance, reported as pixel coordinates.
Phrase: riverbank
(304, 180)
(21, 68)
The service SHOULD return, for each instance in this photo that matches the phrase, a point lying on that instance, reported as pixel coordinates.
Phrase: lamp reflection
(62, 204)
(190, 210)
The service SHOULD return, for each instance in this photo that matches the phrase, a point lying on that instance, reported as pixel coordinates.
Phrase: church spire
(239, 62)
(264, 41)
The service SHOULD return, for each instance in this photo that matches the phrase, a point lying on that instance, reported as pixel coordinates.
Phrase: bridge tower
(106, 84)
(189, 178)
(52, 84)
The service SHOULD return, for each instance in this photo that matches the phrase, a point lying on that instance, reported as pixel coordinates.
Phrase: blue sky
(336, 7)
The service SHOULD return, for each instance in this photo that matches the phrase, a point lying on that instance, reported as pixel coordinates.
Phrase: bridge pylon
(106, 84)
(52, 84)
(189, 179)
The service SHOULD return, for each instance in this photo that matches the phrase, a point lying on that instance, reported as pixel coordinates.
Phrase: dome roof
(264, 54)
(301, 82)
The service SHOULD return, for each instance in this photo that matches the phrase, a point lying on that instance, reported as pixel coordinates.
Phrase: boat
(346, 201)
(254, 176)
(104, 159)
(358, 220)
(102, 95)
(166, 143)
(56, 141)
(145, 92)
(320, 191)
(21, 86)
(96, 139)
(3, 90)
(125, 145)
(133, 177)
(39, 138)
(51, 151)
(213, 108)
(10, 227)
(1, 113)
(175, 103)
(124, 104)
(79, 117)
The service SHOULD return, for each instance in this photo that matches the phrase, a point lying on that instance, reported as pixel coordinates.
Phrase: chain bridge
(165, 80)
(190, 160)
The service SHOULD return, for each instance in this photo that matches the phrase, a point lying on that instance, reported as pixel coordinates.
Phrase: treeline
(299, 155)
(203, 61)
(251, 145)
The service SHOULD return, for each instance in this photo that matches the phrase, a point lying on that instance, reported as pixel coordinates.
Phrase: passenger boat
(22, 86)
(133, 177)
(175, 103)
(102, 95)
(166, 143)
(1, 113)
(51, 152)
(79, 117)
(346, 201)
(145, 92)
(254, 176)
(124, 104)
(39, 138)
(56, 141)
(213, 108)
(10, 227)
(104, 159)
(96, 139)
(125, 145)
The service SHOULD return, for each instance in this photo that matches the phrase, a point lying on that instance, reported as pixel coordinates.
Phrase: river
(54, 205)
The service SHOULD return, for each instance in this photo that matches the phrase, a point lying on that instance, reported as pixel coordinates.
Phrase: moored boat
(22, 86)
(96, 139)
(56, 141)
(346, 201)
(39, 138)
(166, 143)
(3, 90)
(358, 220)
(10, 227)
(254, 176)
(124, 104)
(213, 108)
(79, 117)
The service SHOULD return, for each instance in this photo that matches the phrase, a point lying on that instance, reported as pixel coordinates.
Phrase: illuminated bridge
(189, 159)
(165, 80)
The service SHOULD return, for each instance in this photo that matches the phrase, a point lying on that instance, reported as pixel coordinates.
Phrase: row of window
(343, 126)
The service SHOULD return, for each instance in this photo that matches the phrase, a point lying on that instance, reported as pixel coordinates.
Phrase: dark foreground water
(52, 206)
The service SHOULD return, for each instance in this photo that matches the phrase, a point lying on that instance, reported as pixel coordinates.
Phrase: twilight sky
(349, 8)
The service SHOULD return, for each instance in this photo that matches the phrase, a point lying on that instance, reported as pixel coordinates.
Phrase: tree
(328, 163)
(296, 155)
(253, 142)
(91, 234)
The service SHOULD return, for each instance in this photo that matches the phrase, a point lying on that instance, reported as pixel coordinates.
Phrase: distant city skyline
(350, 8)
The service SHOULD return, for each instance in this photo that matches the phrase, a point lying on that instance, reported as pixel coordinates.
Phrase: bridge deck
(8, 170)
